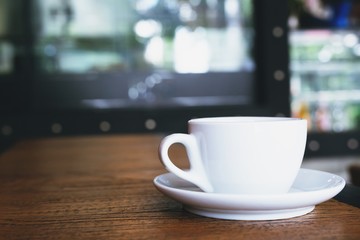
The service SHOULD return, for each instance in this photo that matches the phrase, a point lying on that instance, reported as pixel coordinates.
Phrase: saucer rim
(251, 202)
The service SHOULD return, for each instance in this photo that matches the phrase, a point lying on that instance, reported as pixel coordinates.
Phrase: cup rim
(243, 120)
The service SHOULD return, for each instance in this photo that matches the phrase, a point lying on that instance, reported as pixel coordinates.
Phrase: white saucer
(311, 187)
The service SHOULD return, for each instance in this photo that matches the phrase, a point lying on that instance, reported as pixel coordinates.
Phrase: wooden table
(101, 188)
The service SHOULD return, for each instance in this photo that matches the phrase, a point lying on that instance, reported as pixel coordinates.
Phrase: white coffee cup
(240, 155)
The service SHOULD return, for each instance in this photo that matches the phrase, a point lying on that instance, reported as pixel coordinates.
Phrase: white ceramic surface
(310, 188)
(242, 155)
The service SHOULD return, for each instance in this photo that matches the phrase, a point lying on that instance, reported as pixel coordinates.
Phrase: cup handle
(196, 174)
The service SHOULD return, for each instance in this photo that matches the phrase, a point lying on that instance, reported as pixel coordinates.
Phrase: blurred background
(123, 58)
(325, 53)
(72, 67)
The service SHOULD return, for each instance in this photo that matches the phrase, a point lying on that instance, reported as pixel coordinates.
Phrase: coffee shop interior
(86, 67)
(90, 89)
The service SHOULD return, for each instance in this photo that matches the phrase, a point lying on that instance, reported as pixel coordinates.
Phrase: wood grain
(101, 188)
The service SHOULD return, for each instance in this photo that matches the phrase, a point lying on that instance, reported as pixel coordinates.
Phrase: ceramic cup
(240, 155)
